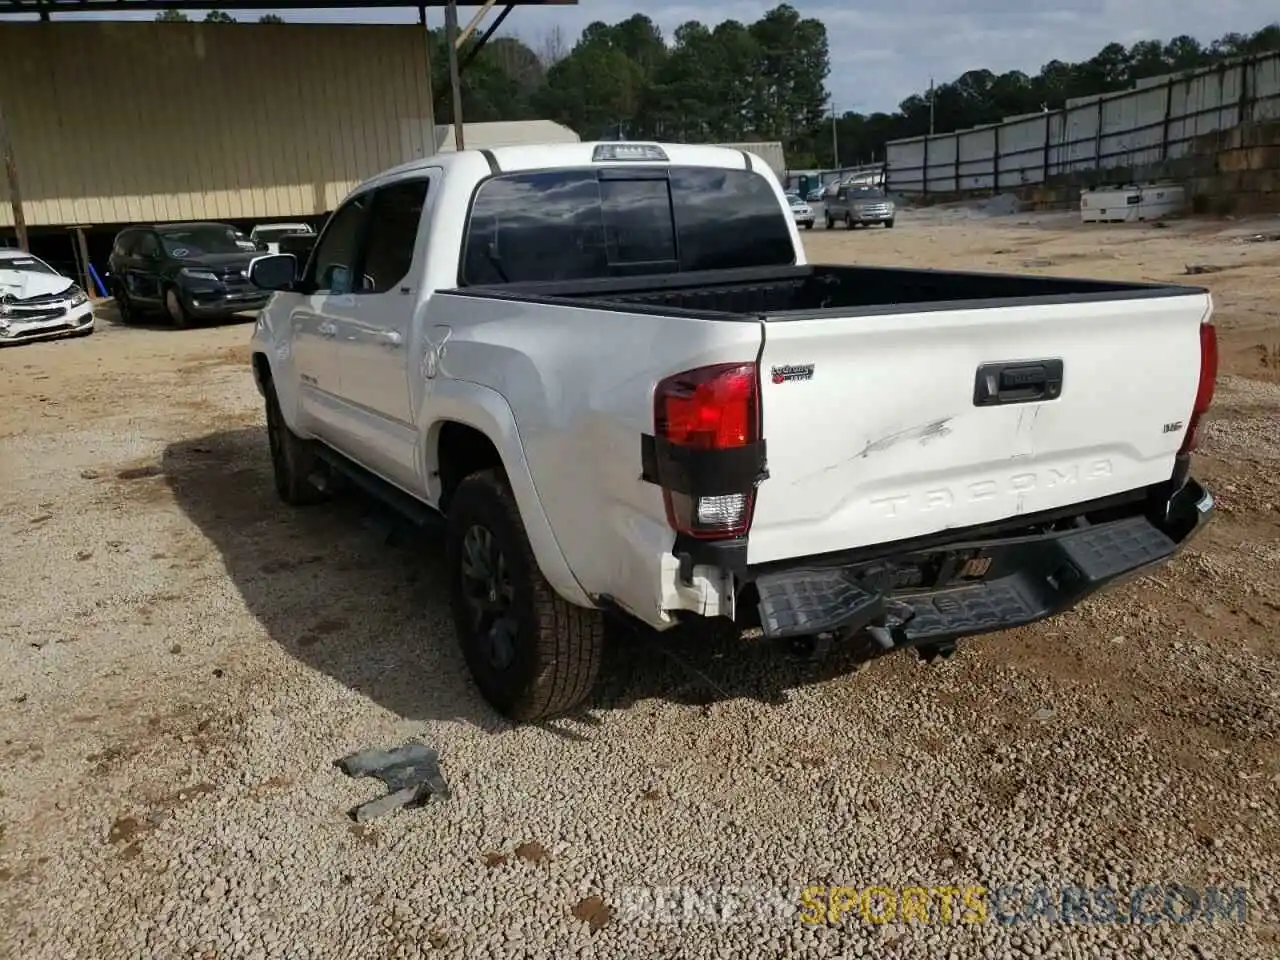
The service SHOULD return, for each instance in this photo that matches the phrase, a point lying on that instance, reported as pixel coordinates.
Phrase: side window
(121, 247)
(394, 216)
(535, 226)
(147, 245)
(332, 264)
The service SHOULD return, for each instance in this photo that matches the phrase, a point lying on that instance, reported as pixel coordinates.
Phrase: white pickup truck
(611, 371)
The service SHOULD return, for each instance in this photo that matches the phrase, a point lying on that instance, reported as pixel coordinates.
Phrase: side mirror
(276, 271)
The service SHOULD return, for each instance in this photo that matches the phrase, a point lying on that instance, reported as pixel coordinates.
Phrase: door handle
(1018, 381)
(391, 339)
(328, 330)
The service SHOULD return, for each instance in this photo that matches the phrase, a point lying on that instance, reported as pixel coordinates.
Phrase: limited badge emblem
(792, 371)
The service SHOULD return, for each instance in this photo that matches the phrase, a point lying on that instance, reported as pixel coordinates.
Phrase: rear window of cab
(599, 222)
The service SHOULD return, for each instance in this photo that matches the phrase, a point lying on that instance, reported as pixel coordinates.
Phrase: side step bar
(412, 509)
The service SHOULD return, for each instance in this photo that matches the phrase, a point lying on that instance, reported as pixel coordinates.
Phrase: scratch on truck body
(929, 431)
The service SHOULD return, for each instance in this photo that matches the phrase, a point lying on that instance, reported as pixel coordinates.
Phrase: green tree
(271, 18)
(766, 80)
(172, 16)
(218, 16)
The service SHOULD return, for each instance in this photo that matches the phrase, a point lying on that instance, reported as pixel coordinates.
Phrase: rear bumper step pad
(1030, 578)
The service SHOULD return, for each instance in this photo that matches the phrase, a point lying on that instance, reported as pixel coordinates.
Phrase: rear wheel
(831, 223)
(174, 307)
(531, 652)
(293, 460)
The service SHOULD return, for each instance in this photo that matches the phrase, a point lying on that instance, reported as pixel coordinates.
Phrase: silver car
(854, 204)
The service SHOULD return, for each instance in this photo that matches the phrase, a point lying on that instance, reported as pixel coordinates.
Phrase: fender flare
(484, 409)
(276, 352)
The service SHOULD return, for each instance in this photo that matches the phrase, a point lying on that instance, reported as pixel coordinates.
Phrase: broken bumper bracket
(411, 774)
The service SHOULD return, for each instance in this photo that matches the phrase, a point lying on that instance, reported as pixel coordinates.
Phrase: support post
(475, 22)
(924, 171)
(1048, 129)
(995, 163)
(1168, 116)
(85, 266)
(431, 145)
(1097, 140)
(11, 176)
(451, 30)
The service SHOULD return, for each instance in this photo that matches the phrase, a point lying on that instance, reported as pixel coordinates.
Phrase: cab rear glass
(597, 222)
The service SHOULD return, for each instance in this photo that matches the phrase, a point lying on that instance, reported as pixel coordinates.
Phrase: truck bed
(899, 403)
(814, 290)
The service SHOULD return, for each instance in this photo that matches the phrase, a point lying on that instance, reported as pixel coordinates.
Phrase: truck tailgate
(886, 426)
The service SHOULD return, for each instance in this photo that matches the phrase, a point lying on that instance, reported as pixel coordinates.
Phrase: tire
(848, 221)
(888, 224)
(531, 653)
(293, 459)
(124, 306)
(175, 310)
(831, 224)
(809, 225)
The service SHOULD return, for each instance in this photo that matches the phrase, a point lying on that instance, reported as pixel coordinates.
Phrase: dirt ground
(181, 660)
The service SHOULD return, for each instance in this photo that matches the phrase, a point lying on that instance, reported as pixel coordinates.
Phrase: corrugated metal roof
(505, 133)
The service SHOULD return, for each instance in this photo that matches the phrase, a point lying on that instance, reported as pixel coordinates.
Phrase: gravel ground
(182, 660)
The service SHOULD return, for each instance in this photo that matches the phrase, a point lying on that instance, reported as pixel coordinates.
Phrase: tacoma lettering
(980, 491)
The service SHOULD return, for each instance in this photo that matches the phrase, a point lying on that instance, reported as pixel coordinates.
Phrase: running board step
(977, 609)
(801, 603)
(413, 510)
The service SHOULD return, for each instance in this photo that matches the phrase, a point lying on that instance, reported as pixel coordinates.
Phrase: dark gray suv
(854, 204)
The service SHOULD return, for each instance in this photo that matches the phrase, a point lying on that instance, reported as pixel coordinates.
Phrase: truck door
(375, 338)
(317, 316)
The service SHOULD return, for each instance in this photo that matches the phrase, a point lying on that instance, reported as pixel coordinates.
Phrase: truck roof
(551, 155)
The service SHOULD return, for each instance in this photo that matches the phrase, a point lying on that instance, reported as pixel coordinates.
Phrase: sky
(885, 52)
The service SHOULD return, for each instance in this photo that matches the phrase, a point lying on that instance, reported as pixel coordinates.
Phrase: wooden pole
(431, 144)
(475, 22)
(11, 175)
(451, 31)
(90, 290)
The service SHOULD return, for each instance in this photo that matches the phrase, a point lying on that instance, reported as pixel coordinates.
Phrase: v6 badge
(792, 371)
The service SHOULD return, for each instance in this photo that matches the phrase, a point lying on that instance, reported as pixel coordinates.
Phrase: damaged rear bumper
(980, 586)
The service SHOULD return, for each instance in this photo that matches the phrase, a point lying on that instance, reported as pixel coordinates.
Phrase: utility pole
(451, 38)
(11, 175)
(931, 106)
(835, 137)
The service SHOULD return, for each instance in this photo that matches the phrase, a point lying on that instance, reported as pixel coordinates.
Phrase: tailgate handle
(1018, 381)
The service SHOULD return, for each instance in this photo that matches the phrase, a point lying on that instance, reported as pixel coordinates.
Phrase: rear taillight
(707, 419)
(1204, 390)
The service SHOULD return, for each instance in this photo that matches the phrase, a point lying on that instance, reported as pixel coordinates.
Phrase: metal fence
(1151, 123)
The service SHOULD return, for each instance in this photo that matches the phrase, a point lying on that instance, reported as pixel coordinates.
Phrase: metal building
(118, 122)
(503, 133)
(770, 151)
